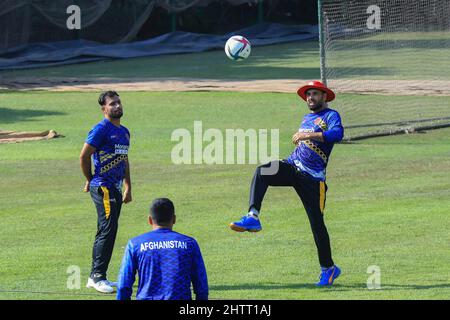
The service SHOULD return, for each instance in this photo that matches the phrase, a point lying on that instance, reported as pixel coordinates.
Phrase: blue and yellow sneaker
(327, 276)
(247, 223)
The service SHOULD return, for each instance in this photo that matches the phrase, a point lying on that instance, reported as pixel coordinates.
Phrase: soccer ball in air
(238, 48)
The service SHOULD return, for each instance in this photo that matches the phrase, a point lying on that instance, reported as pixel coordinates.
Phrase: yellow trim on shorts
(322, 196)
(106, 203)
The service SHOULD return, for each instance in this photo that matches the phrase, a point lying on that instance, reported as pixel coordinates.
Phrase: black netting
(397, 49)
(106, 21)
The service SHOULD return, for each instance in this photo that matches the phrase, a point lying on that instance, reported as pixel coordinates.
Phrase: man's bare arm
(85, 164)
(127, 183)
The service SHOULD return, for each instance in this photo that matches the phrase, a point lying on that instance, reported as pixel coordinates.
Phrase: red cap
(316, 85)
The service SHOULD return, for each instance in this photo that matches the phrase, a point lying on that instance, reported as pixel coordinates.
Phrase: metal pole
(260, 11)
(173, 21)
(322, 43)
(173, 17)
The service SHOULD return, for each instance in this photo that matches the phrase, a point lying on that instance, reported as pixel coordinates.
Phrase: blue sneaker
(247, 223)
(327, 276)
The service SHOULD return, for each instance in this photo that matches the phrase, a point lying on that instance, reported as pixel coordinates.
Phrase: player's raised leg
(275, 173)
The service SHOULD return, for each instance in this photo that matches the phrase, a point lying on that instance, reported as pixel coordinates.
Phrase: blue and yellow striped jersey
(111, 143)
(311, 156)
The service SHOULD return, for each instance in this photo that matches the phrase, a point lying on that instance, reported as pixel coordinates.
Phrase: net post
(173, 21)
(260, 11)
(321, 42)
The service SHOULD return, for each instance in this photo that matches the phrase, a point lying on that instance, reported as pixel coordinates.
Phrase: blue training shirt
(166, 262)
(311, 156)
(111, 143)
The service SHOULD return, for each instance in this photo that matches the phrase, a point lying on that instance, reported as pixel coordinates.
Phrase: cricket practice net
(389, 62)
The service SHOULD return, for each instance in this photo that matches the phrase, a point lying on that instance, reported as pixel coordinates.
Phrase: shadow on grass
(249, 286)
(8, 115)
(335, 287)
(386, 44)
(67, 293)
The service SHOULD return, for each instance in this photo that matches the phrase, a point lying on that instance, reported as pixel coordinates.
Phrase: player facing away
(166, 262)
(108, 144)
(304, 170)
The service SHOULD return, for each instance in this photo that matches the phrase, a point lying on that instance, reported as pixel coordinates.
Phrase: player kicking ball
(304, 170)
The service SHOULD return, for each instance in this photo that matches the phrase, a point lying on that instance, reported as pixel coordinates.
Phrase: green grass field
(387, 203)
(393, 56)
(295, 60)
(396, 56)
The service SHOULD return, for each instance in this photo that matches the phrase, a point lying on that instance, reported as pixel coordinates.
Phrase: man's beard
(116, 115)
(316, 106)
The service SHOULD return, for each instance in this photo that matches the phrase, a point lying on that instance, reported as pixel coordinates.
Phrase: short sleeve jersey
(111, 143)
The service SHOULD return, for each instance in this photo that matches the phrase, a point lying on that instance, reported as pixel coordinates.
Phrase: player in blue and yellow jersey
(107, 144)
(167, 262)
(304, 170)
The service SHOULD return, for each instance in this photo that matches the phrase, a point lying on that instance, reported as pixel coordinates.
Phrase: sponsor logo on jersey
(320, 123)
(121, 149)
(305, 130)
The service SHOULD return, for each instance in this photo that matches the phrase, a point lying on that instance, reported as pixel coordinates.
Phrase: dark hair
(162, 211)
(103, 95)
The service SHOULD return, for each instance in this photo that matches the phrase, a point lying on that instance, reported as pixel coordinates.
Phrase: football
(237, 48)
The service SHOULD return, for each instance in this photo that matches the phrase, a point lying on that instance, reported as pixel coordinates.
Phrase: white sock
(254, 213)
(326, 269)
